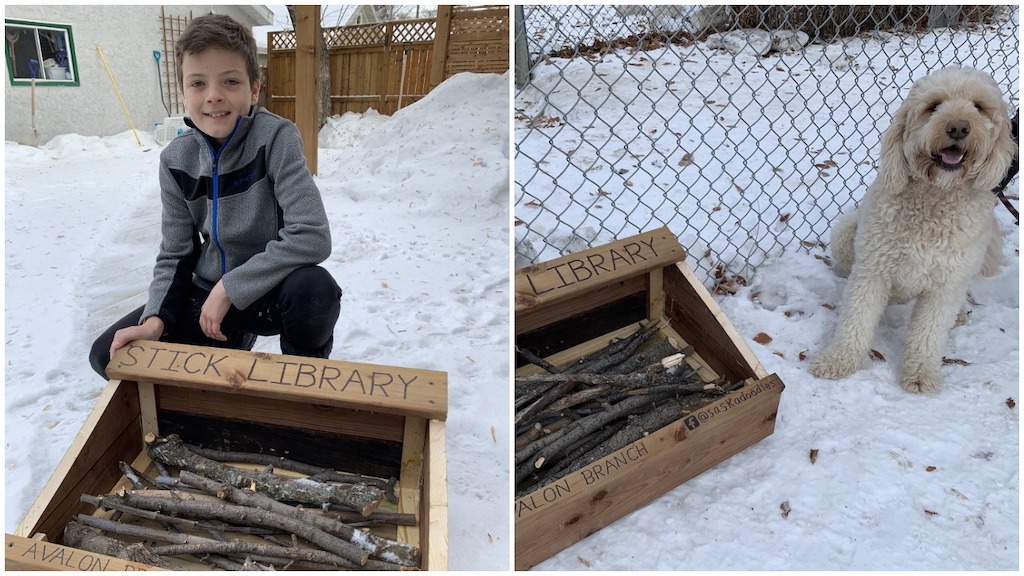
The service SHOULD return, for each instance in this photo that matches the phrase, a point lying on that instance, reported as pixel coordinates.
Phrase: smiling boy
(243, 224)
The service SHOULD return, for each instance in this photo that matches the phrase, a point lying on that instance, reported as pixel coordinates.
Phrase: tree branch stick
(315, 472)
(199, 545)
(266, 553)
(356, 519)
(615, 353)
(241, 515)
(77, 535)
(172, 451)
(553, 394)
(578, 429)
(537, 360)
(376, 546)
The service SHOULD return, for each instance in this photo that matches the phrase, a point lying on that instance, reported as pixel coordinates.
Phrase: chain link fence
(746, 130)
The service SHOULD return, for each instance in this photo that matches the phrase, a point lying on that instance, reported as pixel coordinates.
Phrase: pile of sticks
(231, 518)
(580, 413)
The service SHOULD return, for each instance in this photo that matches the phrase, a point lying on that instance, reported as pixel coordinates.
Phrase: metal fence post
(522, 55)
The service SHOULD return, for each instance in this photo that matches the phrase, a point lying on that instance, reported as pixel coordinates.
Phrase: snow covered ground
(900, 481)
(418, 204)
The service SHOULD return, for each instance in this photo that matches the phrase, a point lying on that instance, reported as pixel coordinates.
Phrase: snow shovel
(156, 56)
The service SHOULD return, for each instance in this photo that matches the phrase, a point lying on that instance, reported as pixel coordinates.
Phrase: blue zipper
(216, 197)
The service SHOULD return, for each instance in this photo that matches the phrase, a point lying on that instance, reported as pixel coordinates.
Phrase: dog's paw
(920, 380)
(833, 365)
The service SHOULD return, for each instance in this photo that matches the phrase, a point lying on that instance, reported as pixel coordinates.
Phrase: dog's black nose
(958, 129)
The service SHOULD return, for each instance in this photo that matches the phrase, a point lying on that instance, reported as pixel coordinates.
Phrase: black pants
(303, 309)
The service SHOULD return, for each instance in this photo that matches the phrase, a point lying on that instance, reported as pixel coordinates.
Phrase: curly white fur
(926, 227)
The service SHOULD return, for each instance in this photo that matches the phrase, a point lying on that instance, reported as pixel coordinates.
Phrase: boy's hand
(214, 309)
(150, 329)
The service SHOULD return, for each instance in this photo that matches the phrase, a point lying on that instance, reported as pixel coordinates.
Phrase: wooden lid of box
(389, 389)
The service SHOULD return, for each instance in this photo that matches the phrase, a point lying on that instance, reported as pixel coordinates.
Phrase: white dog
(926, 227)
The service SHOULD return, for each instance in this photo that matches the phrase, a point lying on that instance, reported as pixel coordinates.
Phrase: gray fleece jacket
(248, 213)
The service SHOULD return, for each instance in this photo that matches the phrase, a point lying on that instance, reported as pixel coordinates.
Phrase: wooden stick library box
(356, 418)
(575, 305)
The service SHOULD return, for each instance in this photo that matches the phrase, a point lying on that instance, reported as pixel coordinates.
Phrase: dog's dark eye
(979, 107)
(934, 106)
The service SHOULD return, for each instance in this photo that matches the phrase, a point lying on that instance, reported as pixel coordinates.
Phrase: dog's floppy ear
(1003, 150)
(894, 171)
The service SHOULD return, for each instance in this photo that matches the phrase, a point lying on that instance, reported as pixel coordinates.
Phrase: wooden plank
(112, 432)
(696, 316)
(564, 512)
(655, 295)
(543, 284)
(333, 419)
(28, 554)
(357, 455)
(536, 318)
(147, 405)
(307, 80)
(579, 351)
(411, 479)
(442, 35)
(388, 389)
(492, 12)
(435, 506)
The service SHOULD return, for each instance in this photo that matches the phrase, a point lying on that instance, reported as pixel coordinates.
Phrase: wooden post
(307, 80)
(441, 34)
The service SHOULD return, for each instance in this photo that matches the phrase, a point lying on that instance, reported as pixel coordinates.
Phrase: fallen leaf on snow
(814, 455)
(583, 561)
(1010, 403)
(930, 513)
(785, 509)
(930, 469)
(762, 338)
(876, 355)
(958, 361)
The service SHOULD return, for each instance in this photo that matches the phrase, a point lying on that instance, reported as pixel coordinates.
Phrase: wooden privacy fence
(387, 66)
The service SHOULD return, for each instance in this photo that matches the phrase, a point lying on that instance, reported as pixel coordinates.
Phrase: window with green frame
(41, 51)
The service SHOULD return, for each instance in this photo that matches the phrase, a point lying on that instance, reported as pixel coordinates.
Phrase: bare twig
(537, 360)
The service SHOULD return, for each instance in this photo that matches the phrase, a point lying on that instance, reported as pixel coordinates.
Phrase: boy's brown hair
(220, 31)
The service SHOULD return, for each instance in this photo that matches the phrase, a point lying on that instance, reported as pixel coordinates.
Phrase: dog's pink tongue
(952, 156)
